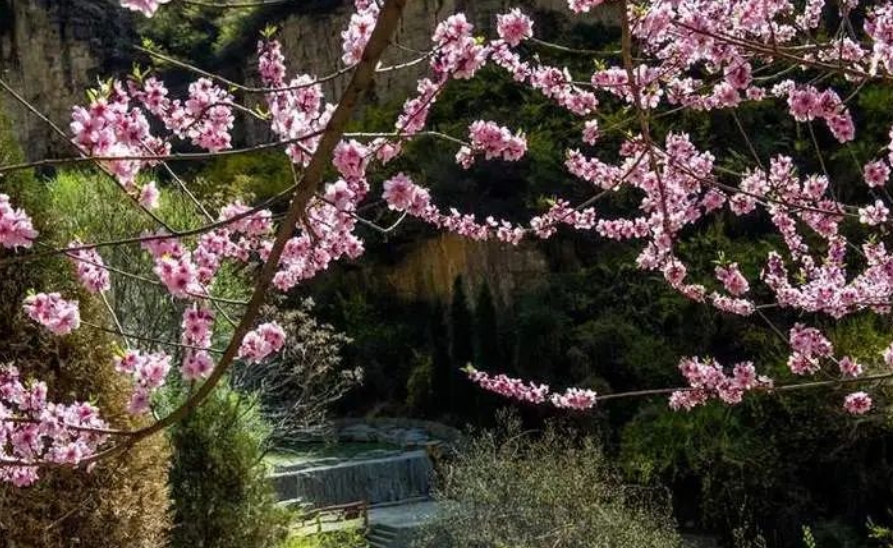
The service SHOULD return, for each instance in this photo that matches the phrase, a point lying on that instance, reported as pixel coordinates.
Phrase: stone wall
(50, 52)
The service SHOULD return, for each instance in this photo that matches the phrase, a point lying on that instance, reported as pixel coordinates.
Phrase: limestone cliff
(425, 270)
(50, 52)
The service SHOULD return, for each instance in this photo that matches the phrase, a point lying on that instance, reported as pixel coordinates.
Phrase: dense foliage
(221, 498)
(517, 488)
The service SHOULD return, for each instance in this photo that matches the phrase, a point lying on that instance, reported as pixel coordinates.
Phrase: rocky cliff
(50, 52)
(427, 272)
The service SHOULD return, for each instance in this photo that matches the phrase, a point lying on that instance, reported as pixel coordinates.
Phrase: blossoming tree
(677, 57)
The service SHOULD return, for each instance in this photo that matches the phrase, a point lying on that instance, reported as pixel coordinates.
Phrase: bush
(508, 488)
(297, 386)
(222, 498)
(336, 539)
(123, 501)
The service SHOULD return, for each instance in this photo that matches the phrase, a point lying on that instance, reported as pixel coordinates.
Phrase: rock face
(50, 52)
(429, 270)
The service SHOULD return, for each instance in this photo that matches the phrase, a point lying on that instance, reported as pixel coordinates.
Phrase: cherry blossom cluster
(402, 194)
(708, 379)
(90, 268)
(16, 229)
(509, 387)
(493, 141)
(298, 111)
(115, 125)
(148, 372)
(807, 103)
(580, 399)
(266, 339)
(146, 7)
(198, 329)
(110, 128)
(359, 30)
(35, 431)
(857, 403)
(50, 310)
(808, 345)
(514, 27)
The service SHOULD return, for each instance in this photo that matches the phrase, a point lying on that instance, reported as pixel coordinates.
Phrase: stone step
(387, 530)
(378, 537)
(377, 541)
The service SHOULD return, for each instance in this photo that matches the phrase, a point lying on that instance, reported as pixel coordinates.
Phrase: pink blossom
(148, 372)
(731, 277)
(53, 312)
(495, 141)
(509, 387)
(15, 226)
(849, 367)
(358, 32)
(197, 326)
(178, 274)
(876, 173)
(44, 432)
(590, 132)
(266, 339)
(147, 7)
(583, 6)
(90, 268)
(514, 27)
(149, 195)
(857, 403)
(196, 365)
(575, 398)
(875, 214)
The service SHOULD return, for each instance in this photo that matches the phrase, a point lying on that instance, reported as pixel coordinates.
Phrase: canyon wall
(50, 52)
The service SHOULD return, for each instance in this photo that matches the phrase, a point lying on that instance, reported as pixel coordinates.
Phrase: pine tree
(463, 397)
(487, 351)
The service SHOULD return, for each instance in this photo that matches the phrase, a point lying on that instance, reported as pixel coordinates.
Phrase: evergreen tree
(440, 360)
(463, 397)
(488, 351)
(222, 498)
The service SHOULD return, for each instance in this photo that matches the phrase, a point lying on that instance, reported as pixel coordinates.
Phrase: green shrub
(338, 539)
(221, 496)
(509, 488)
(298, 386)
(249, 177)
